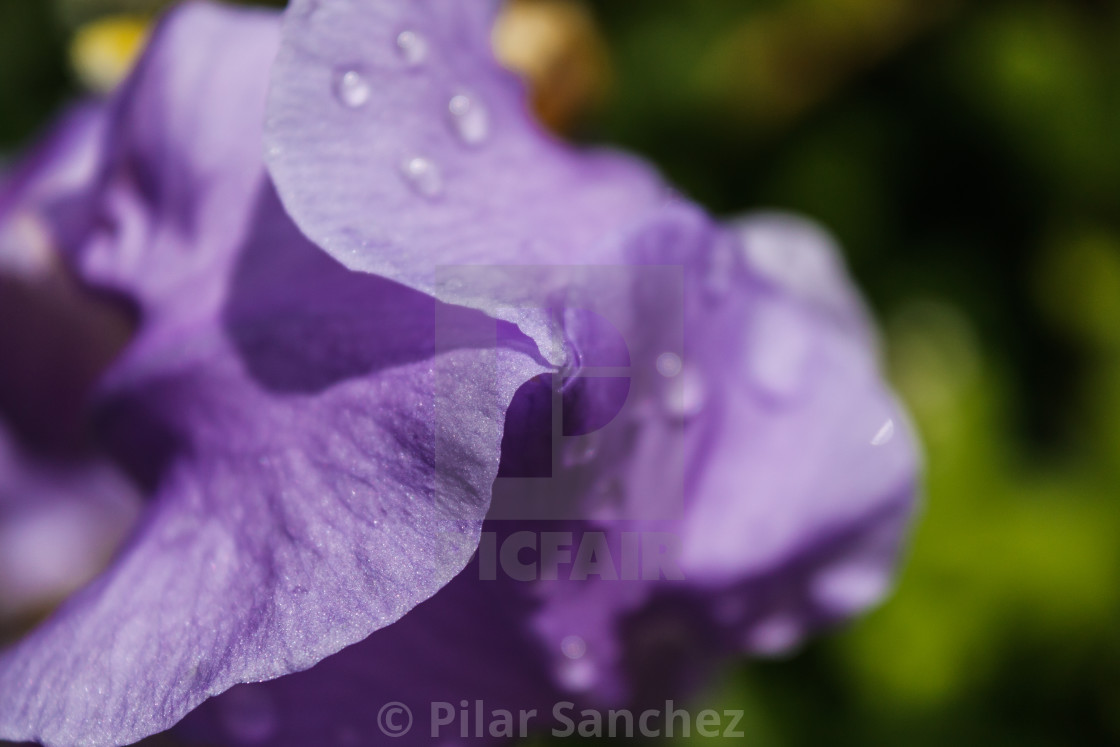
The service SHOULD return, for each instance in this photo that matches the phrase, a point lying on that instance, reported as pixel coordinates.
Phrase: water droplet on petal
(352, 89)
(668, 365)
(470, 118)
(423, 176)
(412, 48)
(248, 714)
(573, 647)
(885, 434)
(685, 395)
(578, 675)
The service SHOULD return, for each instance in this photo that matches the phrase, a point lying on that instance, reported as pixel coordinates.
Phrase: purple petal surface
(468, 642)
(318, 445)
(399, 145)
(770, 457)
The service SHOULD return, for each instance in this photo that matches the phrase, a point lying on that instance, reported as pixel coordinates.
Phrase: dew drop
(423, 176)
(685, 395)
(412, 48)
(573, 647)
(668, 365)
(470, 118)
(353, 89)
(885, 434)
(249, 715)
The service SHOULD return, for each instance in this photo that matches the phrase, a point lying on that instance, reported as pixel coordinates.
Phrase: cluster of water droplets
(468, 116)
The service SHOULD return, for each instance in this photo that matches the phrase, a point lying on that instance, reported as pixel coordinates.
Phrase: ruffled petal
(399, 145)
(318, 445)
(770, 464)
(803, 436)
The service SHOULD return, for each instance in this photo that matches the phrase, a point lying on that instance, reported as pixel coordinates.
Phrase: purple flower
(345, 360)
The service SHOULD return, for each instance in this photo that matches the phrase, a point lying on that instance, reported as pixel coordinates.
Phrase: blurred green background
(967, 156)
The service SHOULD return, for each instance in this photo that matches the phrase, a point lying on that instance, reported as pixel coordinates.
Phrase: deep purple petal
(399, 145)
(56, 337)
(319, 445)
(469, 642)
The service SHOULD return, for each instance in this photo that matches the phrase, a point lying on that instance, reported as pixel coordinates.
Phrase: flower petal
(319, 445)
(805, 438)
(770, 462)
(468, 642)
(399, 145)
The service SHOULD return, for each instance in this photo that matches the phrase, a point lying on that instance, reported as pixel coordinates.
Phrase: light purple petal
(60, 522)
(788, 471)
(399, 145)
(804, 438)
(319, 445)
